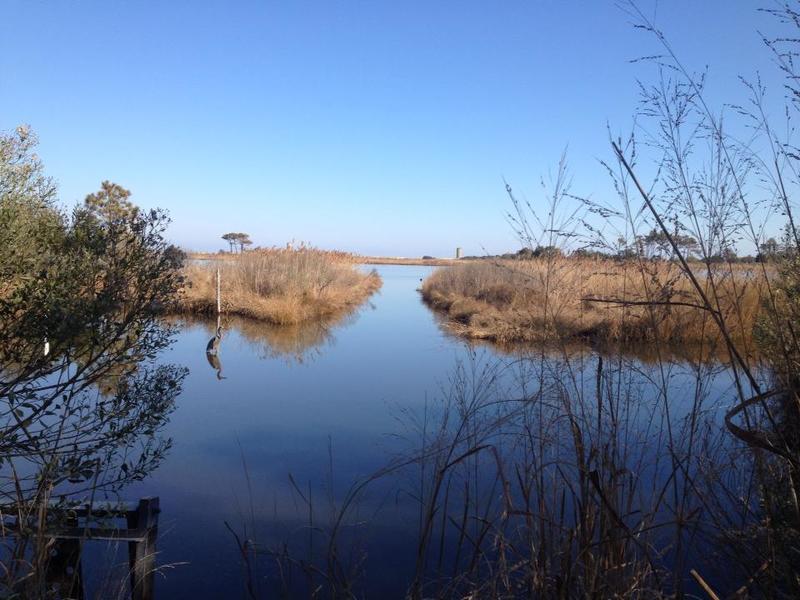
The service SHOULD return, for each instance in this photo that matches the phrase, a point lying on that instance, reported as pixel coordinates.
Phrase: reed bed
(284, 286)
(337, 255)
(602, 300)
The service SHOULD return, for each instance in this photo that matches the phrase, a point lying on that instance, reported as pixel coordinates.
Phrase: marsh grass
(600, 300)
(284, 286)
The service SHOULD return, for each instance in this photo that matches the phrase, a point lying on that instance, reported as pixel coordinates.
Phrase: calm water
(282, 405)
(328, 405)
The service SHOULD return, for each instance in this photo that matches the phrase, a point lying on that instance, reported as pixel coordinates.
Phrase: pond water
(284, 406)
(328, 405)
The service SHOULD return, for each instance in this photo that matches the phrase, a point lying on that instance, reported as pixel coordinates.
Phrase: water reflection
(555, 460)
(591, 445)
(80, 423)
(216, 363)
(71, 444)
(296, 344)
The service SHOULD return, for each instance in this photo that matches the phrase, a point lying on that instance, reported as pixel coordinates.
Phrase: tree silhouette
(237, 239)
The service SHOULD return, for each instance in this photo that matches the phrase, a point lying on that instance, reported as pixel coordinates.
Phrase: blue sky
(375, 127)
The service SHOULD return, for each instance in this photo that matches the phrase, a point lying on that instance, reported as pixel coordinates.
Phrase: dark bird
(213, 343)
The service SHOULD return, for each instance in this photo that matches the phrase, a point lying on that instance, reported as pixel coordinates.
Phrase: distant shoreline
(400, 260)
(365, 260)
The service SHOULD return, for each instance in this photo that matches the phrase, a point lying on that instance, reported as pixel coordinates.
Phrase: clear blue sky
(378, 127)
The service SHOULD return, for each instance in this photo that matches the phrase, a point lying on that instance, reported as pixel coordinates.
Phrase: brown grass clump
(284, 286)
(602, 300)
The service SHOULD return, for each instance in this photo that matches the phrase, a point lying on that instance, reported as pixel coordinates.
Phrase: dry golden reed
(280, 285)
(603, 300)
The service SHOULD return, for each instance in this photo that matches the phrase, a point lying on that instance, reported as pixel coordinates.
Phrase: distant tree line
(237, 241)
(655, 245)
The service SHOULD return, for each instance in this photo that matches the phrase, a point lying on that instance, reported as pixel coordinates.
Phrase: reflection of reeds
(282, 286)
(604, 300)
(558, 477)
(642, 351)
(297, 342)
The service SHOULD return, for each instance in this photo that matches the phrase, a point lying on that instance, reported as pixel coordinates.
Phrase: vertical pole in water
(219, 303)
(219, 300)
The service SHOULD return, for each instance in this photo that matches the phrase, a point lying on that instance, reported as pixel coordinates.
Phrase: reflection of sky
(278, 417)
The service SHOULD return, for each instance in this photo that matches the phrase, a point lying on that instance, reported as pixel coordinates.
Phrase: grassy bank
(283, 286)
(602, 300)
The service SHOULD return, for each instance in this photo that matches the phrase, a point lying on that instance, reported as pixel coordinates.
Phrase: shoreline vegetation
(592, 299)
(283, 286)
(429, 261)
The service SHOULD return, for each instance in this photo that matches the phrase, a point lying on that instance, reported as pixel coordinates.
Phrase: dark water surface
(328, 405)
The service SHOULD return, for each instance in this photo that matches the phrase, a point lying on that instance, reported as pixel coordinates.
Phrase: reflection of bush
(91, 442)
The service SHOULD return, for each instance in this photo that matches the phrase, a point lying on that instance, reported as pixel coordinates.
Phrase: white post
(219, 299)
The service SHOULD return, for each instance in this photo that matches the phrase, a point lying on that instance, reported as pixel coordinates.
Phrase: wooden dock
(83, 522)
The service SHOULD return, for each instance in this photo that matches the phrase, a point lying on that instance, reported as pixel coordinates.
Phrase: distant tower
(458, 252)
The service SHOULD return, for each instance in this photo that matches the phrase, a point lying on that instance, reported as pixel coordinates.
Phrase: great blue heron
(213, 343)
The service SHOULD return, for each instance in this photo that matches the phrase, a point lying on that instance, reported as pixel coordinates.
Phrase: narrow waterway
(288, 415)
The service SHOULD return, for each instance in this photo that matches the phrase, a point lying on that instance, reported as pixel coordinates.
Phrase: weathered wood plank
(87, 533)
(82, 509)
